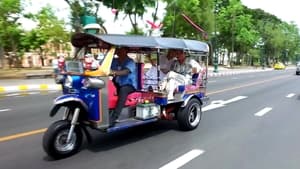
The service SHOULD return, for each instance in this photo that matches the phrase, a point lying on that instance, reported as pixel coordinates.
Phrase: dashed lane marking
(13, 94)
(263, 111)
(182, 160)
(3, 110)
(290, 95)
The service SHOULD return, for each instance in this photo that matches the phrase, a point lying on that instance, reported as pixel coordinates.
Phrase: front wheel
(55, 140)
(189, 117)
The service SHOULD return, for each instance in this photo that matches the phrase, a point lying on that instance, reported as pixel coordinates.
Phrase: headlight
(68, 82)
(93, 83)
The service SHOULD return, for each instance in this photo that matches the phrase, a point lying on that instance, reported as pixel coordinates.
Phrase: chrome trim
(73, 123)
(68, 82)
(94, 83)
(69, 99)
(186, 101)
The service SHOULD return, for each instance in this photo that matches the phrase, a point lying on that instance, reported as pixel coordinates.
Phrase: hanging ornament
(114, 11)
(153, 25)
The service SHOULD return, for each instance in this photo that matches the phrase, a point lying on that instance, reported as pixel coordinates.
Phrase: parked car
(279, 66)
(298, 68)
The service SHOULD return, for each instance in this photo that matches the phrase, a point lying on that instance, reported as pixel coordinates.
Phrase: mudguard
(65, 99)
(200, 96)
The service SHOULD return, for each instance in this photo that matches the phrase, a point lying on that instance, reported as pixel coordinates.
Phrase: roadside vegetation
(238, 35)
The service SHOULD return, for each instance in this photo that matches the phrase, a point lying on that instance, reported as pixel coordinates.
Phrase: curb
(26, 88)
(212, 74)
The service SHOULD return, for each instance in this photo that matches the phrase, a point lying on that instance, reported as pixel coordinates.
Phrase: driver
(124, 72)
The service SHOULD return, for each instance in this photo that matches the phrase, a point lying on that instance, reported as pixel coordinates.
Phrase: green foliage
(134, 9)
(198, 11)
(49, 29)
(10, 12)
(80, 8)
(134, 32)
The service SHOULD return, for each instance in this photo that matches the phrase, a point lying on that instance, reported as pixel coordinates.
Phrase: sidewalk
(24, 85)
(224, 71)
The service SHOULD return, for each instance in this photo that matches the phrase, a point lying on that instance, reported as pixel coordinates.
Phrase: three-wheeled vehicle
(89, 95)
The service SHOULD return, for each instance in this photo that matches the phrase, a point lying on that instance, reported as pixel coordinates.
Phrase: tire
(56, 135)
(189, 117)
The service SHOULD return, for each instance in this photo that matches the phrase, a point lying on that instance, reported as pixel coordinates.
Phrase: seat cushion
(132, 98)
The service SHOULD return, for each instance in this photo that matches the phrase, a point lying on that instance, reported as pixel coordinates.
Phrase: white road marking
(290, 95)
(263, 111)
(13, 94)
(212, 81)
(212, 106)
(52, 91)
(33, 93)
(234, 99)
(3, 110)
(221, 103)
(182, 160)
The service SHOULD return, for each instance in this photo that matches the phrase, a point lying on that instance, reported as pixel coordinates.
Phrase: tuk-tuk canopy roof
(134, 41)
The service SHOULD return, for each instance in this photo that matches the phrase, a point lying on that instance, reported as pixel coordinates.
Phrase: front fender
(65, 100)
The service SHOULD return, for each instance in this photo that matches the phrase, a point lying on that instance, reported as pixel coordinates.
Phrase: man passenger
(181, 73)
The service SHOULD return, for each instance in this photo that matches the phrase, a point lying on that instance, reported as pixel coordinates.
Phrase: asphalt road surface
(252, 121)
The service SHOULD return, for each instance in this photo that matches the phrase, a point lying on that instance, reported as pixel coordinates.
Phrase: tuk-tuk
(89, 95)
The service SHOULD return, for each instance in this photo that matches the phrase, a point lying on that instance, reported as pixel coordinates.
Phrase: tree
(236, 30)
(134, 9)
(279, 39)
(199, 11)
(81, 8)
(49, 30)
(9, 29)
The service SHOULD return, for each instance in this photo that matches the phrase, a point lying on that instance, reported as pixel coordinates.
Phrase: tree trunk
(41, 57)
(2, 59)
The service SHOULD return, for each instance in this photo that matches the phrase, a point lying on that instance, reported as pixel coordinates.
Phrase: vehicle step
(128, 123)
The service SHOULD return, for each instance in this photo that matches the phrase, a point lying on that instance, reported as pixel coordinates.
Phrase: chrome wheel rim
(194, 114)
(61, 142)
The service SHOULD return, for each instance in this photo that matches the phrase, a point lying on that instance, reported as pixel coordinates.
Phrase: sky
(119, 26)
(286, 10)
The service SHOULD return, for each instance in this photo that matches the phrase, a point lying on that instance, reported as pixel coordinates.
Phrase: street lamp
(215, 39)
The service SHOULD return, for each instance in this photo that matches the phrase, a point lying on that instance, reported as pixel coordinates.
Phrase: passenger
(124, 72)
(181, 73)
(151, 75)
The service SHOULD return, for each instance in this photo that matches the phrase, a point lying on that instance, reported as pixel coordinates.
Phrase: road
(251, 122)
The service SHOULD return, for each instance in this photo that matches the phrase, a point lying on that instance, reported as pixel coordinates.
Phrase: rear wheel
(55, 140)
(189, 117)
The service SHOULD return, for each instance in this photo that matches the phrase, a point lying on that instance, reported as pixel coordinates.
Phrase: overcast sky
(287, 10)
